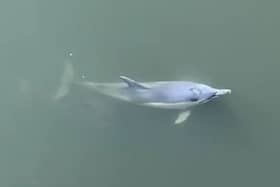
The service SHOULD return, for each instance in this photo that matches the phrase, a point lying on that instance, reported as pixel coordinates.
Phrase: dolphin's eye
(194, 99)
(196, 93)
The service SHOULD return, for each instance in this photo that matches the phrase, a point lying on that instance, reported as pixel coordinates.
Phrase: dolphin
(173, 95)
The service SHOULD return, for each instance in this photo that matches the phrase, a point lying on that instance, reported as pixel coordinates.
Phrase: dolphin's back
(157, 92)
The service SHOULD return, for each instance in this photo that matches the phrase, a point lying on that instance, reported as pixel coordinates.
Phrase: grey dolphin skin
(175, 95)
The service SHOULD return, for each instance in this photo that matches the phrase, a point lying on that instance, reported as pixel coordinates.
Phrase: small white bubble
(70, 54)
(83, 76)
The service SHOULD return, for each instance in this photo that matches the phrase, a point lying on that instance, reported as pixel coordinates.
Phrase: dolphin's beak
(223, 92)
(217, 93)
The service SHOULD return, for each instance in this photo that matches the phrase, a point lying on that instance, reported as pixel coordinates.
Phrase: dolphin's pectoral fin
(182, 117)
(133, 83)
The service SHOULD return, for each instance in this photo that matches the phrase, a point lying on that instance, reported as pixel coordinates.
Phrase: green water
(90, 140)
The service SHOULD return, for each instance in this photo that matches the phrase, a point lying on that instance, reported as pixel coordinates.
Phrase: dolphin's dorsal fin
(133, 83)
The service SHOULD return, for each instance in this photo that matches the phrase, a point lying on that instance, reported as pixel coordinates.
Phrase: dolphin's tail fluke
(66, 81)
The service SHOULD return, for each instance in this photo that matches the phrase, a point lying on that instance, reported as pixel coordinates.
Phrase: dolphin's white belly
(179, 105)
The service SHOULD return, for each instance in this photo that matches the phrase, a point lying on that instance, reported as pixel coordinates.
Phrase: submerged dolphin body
(176, 95)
